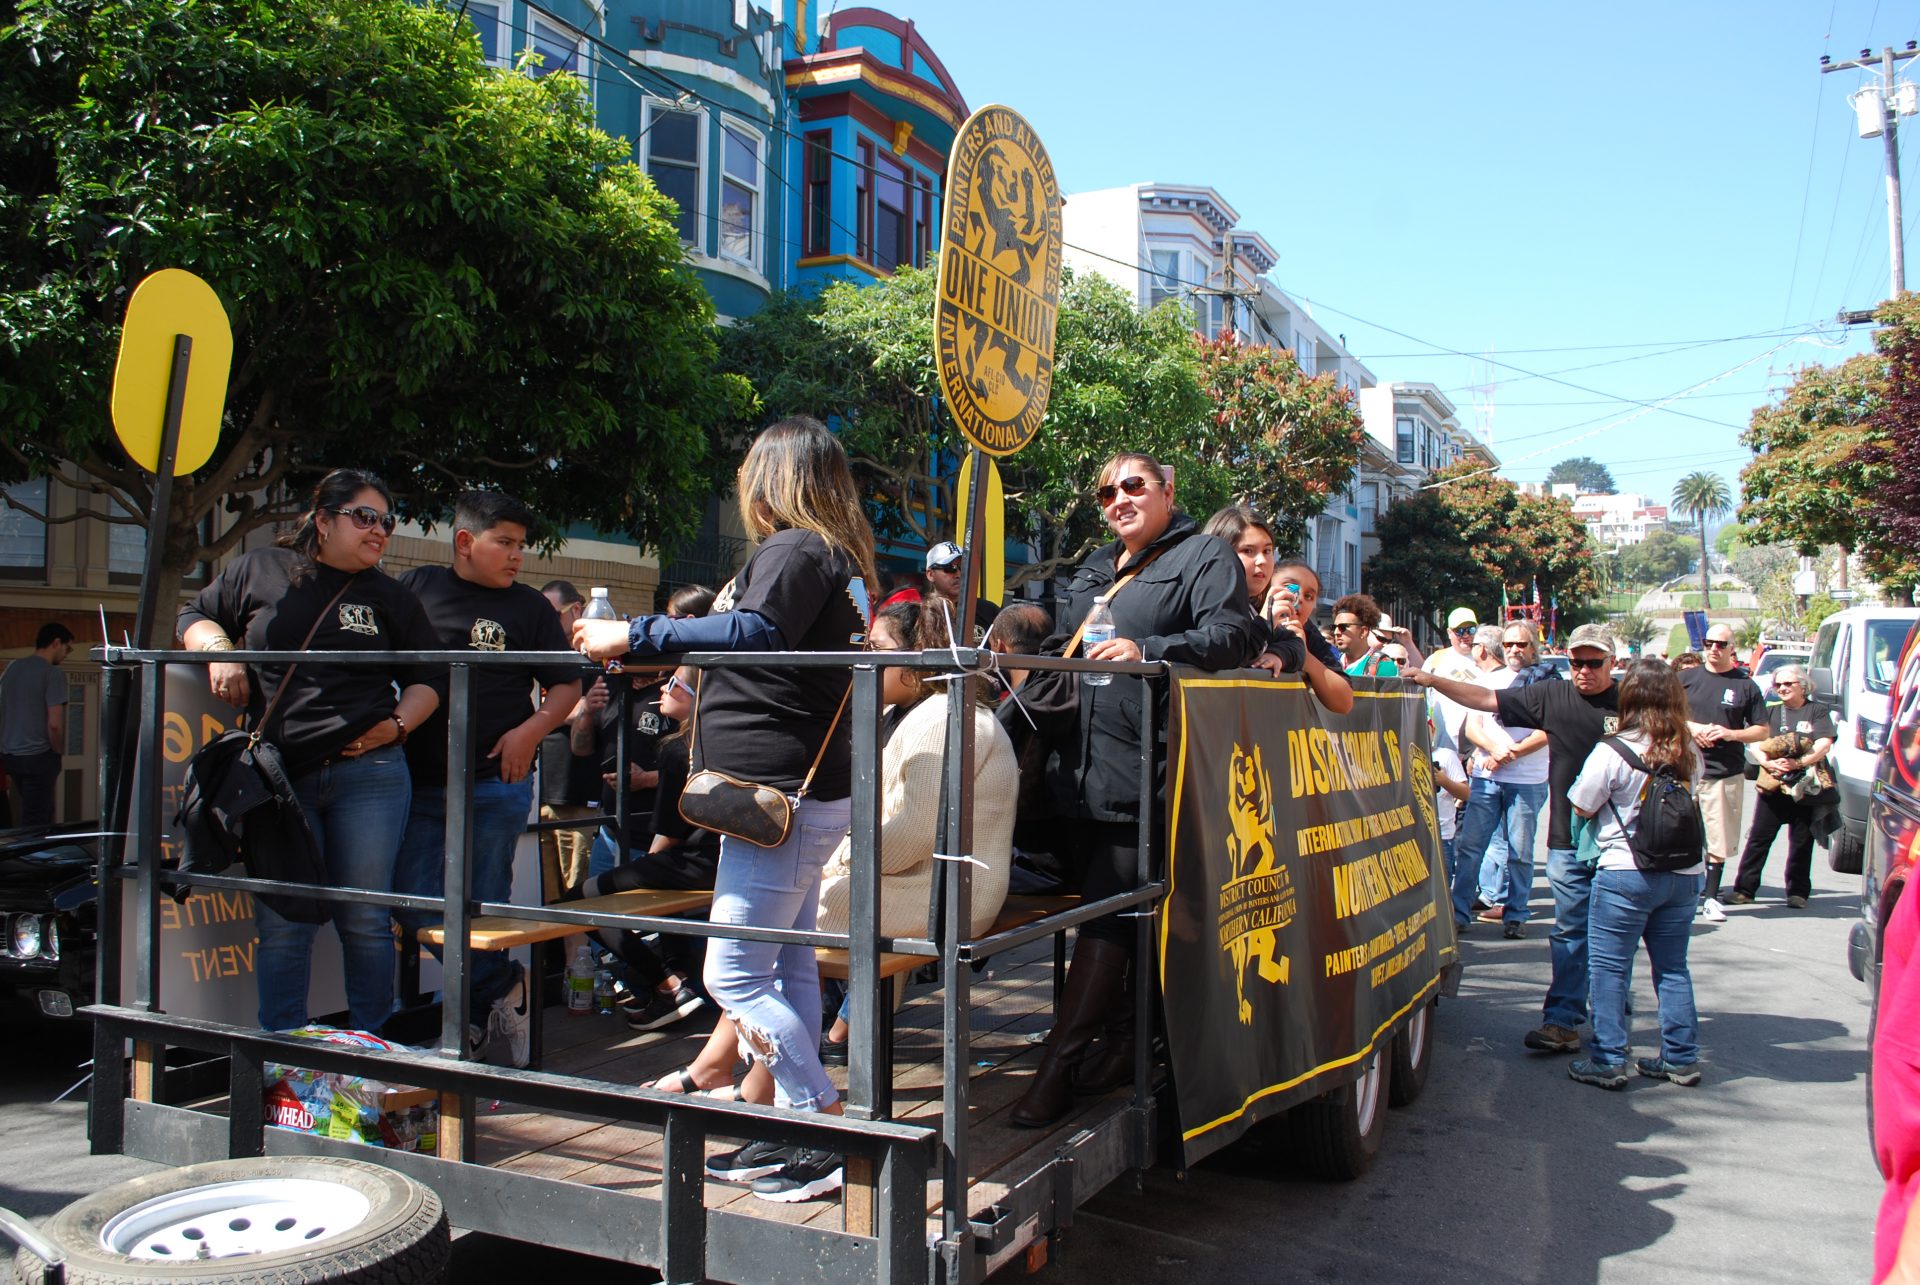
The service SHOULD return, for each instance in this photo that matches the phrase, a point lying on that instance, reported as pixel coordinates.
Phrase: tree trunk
(1706, 576)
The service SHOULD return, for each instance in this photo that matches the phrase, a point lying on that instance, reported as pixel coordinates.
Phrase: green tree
(862, 358)
(434, 270)
(1898, 423)
(1657, 559)
(1823, 473)
(1731, 538)
(1585, 472)
(1288, 441)
(1704, 495)
(1635, 630)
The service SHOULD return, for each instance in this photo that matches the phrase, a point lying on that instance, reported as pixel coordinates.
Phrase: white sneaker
(1712, 911)
(511, 1018)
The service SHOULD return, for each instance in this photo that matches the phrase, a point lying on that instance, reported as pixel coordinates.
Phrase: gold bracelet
(219, 642)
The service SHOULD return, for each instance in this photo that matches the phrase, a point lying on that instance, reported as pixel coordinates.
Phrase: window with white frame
(742, 183)
(1404, 431)
(560, 47)
(1163, 283)
(1303, 352)
(671, 145)
(489, 19)
(23, 537)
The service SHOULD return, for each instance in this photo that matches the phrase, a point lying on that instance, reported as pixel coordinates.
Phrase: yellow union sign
(999, 281)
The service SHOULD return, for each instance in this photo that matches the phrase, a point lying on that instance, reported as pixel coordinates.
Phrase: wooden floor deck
(1010, 1003)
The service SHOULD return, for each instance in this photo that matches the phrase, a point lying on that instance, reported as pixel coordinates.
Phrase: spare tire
(285, 1219)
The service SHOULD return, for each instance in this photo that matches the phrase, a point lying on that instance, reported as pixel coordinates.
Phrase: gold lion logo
(1421, 771)
(1258, 900)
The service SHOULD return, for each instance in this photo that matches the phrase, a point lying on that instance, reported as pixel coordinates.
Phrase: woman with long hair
(803, 589)
(338, 726)
(1630, 905)
(1282, 593)
(1175, 594)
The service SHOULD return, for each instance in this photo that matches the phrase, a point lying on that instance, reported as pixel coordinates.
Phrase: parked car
(1561, 665)
(1856, 655)
(1893, 836)
(1778, 657)
(47, 906)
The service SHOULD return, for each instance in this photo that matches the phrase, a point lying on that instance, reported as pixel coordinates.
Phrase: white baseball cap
(944, 554)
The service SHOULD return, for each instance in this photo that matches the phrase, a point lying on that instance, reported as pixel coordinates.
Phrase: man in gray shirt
(33, 722)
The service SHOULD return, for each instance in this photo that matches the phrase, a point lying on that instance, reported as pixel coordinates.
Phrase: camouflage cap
(1591, 636)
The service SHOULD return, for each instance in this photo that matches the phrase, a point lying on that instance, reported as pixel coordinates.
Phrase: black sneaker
(755, 1160)
(807, 1176)
(662, 1009)
(1514, 932)
(833, 1052)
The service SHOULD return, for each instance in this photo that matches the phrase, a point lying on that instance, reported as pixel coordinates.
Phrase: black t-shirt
(1812, 720)
(567, 778)
(1574, 724)
(666, 803)
(645, 726)
(1730, 700)
(766, 724)
(326, 706)
(464, 614)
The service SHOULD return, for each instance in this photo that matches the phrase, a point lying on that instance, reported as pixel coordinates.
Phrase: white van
(1855, 657)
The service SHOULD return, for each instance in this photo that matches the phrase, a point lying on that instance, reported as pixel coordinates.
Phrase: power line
(1642, 343)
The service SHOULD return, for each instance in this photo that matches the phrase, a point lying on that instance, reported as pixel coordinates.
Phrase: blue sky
(1499, 178)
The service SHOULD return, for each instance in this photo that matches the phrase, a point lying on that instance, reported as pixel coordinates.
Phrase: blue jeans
(1517, 807)
(1572, 881)
(772, 992)
(499, 819)
(358, 810)
(1482, 825)
(1630, 906)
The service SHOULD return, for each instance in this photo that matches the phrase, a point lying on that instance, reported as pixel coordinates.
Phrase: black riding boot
(1110, 1065)
(1095, 980)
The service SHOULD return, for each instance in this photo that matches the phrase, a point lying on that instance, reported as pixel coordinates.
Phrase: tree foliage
(1585, 472)
(1704, 495)
(1898, 416)
(1657, 559)
(1469, 535)
(1635, 630)
(1823, 471)
(1232, 422)
(433, 270)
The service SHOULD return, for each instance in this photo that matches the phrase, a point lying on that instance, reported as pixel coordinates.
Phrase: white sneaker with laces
(512, 1018)
(1712, 911)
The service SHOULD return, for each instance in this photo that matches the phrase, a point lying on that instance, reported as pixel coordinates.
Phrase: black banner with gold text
(1307, 908)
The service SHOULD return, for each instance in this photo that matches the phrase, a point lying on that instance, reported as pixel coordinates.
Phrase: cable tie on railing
(972, 861)
(1135, 914)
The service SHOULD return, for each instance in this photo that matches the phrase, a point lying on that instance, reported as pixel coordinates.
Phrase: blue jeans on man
(1572, 882)
(357, 809)
(1497, 809)
(1630, 906)
(500, 814)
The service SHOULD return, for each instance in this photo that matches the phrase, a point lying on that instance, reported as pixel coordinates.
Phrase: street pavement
(1505, 1170)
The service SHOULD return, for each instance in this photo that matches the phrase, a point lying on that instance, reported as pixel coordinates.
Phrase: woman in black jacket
(340, 727)
(1186, 602)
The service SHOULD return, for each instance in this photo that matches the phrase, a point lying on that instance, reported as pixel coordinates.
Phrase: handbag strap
(1120, 582)
(280, 689)
(806, 783)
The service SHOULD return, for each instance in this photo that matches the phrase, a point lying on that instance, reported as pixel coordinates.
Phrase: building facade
(1617, 520)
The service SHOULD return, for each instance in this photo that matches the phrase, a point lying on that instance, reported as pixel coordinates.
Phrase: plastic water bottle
(580, 983)
(1098, 629)
(600, 607)
(603, 993)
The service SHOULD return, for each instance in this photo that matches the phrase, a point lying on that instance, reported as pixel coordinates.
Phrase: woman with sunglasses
(1282, 594)
(338, 726)
(1176, 594)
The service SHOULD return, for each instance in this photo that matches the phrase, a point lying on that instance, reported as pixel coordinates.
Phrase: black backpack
(1669, 833)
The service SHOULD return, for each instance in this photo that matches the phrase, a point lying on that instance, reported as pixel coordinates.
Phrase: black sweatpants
(1772, 810)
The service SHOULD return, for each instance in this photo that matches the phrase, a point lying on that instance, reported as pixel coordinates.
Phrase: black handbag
(237, 803)
(745, 810)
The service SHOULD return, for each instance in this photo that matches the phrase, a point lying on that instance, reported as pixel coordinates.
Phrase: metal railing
(890, 1159)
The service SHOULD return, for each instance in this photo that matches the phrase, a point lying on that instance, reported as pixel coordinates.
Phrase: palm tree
(1704, 497)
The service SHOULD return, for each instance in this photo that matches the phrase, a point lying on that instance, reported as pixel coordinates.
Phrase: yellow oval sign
(999, 281)
(171, 302)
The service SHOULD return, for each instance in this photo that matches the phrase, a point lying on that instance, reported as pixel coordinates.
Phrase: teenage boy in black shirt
(1575, 716)
(476, 603)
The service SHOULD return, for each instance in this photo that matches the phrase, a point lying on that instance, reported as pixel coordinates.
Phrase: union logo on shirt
(357, 618)
(487, 635)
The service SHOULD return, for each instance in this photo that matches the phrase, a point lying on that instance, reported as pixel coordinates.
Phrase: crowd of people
(625, 742)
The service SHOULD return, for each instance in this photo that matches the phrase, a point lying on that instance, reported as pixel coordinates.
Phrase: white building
(1615, 520)
(1181, 242)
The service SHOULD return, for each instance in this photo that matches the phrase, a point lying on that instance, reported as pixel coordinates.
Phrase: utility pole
(1228, 289)
(1888, 128)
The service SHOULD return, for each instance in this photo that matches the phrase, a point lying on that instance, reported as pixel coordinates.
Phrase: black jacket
(1189, 607)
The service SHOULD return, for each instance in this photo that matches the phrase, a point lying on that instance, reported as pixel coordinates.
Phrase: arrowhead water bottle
(1098, 629)
(600, 607)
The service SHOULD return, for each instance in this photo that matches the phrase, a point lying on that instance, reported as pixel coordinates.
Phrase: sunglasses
(1347, 624)
(1719, 642)
(1135, 485)
(1786, 682)
(1522, 644)
(367, 518)
(1464, 629)
(1577, 663)
(951, 567)
(675, 682)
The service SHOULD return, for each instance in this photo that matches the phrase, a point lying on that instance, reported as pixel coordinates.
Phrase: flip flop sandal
(688, 1086)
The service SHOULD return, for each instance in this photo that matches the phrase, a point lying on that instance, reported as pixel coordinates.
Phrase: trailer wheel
(1412, 1057)
(1846, 851)
(1337, 1135)
(295, 1220)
